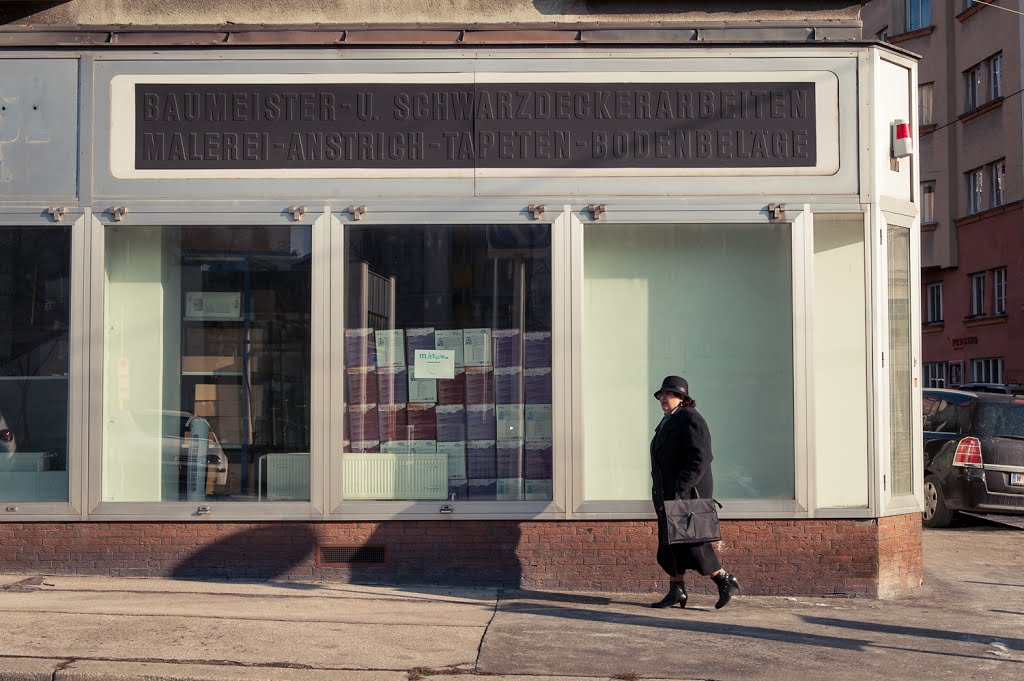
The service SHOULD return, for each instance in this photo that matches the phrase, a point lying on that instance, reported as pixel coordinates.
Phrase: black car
(973, 454)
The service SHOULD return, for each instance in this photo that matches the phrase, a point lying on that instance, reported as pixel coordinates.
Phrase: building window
(995, 76)
(972, 88)
(983, 82)
(975, 190)
(955, 373)
(927, 202)
(999, 291)
(208, 360)
(35, 302)
(925, 96)
(934, 374)
(997, 171)
(978, 294)
(919, 14)
(479, 426)
(934, 312)
(636, 332)
(987, 370)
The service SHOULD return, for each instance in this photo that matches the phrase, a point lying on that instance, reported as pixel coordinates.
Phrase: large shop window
(712, 303)
(35, 306)
(207, 364)
(901, 431)
(448, 363)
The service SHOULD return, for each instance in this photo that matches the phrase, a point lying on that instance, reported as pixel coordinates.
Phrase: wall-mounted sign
(963, 341)
(226, 126)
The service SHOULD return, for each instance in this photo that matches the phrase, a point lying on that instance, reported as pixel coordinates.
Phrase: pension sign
(506, 125)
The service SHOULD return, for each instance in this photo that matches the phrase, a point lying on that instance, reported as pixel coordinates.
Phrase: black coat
(681, 458)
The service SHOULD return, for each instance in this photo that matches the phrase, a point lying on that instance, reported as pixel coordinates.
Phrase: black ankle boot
(676, 594)
(727, 586)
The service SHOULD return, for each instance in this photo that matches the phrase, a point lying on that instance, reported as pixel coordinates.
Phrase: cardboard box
(481, 461)
(456, 452)
(363, 422)
(509, 459)
(537, 349)
(509, 489)
(452, 391)
(538, 422)
(216, 391)
(392, 385)
(359, 348)
(210, 363)
(451, 340)
(207, 408)
(451, 422)
(537, 461)
(537, 490)
(509, 421)
(479, 385)
(361, 384)
(508, 385)
(507, 348)
(227, 428)
(392, 422)
(537, 385)
(480, 423)
(422, 419)
(417, 339)
(476, 347)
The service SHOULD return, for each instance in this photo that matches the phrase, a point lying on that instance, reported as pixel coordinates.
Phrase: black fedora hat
(673, 384)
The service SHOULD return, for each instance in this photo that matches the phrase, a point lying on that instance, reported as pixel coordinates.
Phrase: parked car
(973, 454)
(998, 388)
(8, 443)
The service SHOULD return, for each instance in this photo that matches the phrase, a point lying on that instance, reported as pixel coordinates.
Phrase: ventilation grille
(351, 556)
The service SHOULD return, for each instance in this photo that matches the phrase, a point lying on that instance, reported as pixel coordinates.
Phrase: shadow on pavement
(1011, 643)
(266, 551)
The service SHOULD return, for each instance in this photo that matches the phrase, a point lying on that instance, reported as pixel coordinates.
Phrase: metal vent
(354, 556)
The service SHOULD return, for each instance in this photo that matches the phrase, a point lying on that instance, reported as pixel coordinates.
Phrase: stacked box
(359, 348)
(395, 447)
(509, 461)
(422, 419)
(451, 340)
(451, 422)
(480, 460)
(508, 489)
(213, 341)
(392, 385)
(476, 347)
(508, 385)
(458, 489)
(392, 423)
(479, 385)
(537, 461)
(452, 391)
(364, 446)
(363, 422)
(507, 348)
(422, 446)
(482, 489)
(537, 385)
(456, 452)
(228, 429)
(421, 389)
(537, 349)
(508, 421)
(361, 385)
(537, 490)
(389, 346)
(418, 339)
(480, 424)
(537, 422)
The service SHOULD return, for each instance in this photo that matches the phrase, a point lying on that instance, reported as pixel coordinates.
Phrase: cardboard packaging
(458, 489)
(508, 385)
(485, 489)
(451, 422)
(392, 422)
(537, 386)
(364, 447)
(218, 408)
(421, 389)
(509, 459)
(479, 385)
(392, 385)
(538, 422)
(359, 348)
(363, 422)
(390, 347)
(507, 348)
(417, 339)
(204, 364)
(536, 349)
(508, 420)
(452, 391)
(537, 461)
(476, 347)
(216, 391)
(537, 490)
(480, 424)
(508, 489)
(361, 385)
(213, 341)
(422, 446)
(452, 340)
(456, 452)
(422, 419)
(480, 459)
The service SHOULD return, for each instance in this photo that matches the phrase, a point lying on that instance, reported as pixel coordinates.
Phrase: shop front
(397, 314)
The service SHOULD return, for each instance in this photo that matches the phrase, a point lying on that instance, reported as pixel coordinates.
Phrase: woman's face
(669, 401)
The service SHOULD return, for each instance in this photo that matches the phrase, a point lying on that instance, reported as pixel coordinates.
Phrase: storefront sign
(458, 126)
(963, 341)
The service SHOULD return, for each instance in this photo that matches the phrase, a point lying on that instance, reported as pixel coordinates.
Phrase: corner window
(448, 366)
(919, 14)
(35, 303)
(925, 97)
(978, 295)
(927, 202)
(999, 291)
(207, 364)
(934, 311)
(987, 370)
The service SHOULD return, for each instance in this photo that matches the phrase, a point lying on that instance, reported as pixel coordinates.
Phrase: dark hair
(688, 401)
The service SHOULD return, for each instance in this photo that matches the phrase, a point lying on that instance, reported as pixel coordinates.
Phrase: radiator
(23, 462)
(287, 476)
(395, 476)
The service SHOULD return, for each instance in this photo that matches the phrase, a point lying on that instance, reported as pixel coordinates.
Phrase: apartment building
(972, 241)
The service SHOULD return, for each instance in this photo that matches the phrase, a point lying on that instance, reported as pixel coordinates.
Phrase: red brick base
(874, 558)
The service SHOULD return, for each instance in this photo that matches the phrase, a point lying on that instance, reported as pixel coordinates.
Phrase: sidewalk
(966, 622)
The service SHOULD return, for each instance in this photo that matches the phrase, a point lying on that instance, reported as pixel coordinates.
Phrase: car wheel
(936, 513)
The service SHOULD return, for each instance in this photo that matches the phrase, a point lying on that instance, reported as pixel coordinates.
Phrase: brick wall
(777, 557)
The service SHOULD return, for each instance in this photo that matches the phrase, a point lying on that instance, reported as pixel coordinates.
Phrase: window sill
(980, 110)
(910, 35)
(987, 213)
(926, 129)
(929, 226)
(985, 320)
(969, 12)
(932, 327)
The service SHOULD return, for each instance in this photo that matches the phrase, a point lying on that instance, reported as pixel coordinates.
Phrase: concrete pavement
(966, 622)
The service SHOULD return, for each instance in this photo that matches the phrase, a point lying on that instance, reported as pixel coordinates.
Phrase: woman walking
(681, 469)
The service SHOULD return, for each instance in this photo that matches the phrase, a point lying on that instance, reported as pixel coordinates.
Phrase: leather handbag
(692, 521)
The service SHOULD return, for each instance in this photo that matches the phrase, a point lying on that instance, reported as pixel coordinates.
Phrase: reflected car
(973, 454)
(8, 443)
(998, 388)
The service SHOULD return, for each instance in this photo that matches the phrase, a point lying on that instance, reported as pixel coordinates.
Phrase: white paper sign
(434, 364)
(423, 390)
(450, 340)
(390, 347)
(477, 347)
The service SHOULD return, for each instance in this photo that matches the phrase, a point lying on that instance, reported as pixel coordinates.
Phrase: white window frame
(995, 76)
(934, 374)
(925, 103)
(927, 202)
(919, 14)
(999, 291)
(978, 294)
(975, 190)
(955, 373)
(997, 175)
(933, 314)
(972, 87)
(987, 370)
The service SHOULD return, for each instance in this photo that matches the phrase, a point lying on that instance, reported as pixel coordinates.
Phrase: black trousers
(675, 559)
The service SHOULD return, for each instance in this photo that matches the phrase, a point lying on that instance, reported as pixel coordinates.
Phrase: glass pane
(840, 362)
(207, 363)
(448, 362)
(712, 303)
(35, 302)
(900, 423)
